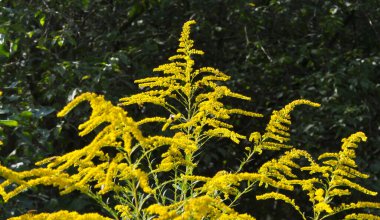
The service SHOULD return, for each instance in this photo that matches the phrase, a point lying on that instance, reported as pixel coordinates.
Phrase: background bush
(275, 51)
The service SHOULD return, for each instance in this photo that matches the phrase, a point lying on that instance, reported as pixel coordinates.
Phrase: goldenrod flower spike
(60, 215)
(277, 131)
(124, 211)
(338, 171)
(362, 216)
(197, 208)
(197, 90)
(279, 196)
(280, 170)
(185, 42)
(342, 166)
(96, 172)
(17, 182)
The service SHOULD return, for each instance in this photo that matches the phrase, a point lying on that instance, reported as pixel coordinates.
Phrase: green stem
(135, 199)
(247, 160)
(246, 190)
(104, 205)
(175, 183)
(188, 172)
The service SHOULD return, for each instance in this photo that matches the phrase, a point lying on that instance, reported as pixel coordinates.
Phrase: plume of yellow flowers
(277, 131)
(331, 179)
(60, 215)
(198, 208)
(152, 176)
(198, 92)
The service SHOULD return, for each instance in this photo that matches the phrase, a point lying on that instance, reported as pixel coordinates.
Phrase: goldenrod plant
(133, 175)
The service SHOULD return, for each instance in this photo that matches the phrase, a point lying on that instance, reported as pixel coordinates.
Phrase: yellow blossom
(124, 211)
(319, 195)
(149, 120)
(198, 208)
(323, 207)
(362, 216)
(224, 132)
(163, 212)
(278, 196)
(277, 130)
(357, 205)
(60, 215)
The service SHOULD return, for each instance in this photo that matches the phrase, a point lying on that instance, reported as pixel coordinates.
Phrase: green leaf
(3, 52)
(42, 20)
(30, 34)
(9, 123)
(41, 47)
(14, 46)
(61, 41)
(85, 4)
(26, 114)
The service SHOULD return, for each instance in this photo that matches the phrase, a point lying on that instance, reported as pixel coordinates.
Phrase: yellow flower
(180, 81)
(319, 195)
(277, 130)
(281, 170)
(124, 210)
(323, 207)
(362, 216)
(150, 120)
(224, 132)
(127, 172)
(197, 208)
(278, 196)
(60, 215)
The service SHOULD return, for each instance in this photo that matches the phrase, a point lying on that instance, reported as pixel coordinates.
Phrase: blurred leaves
(9, 123)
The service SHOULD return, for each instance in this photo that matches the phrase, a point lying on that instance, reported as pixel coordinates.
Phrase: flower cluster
(60, 215)
(196, 90)
(328, 180)
(198, 208)
(277, 131)
(152, 176)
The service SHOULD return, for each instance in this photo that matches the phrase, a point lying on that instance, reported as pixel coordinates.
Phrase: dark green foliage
(275, 51)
